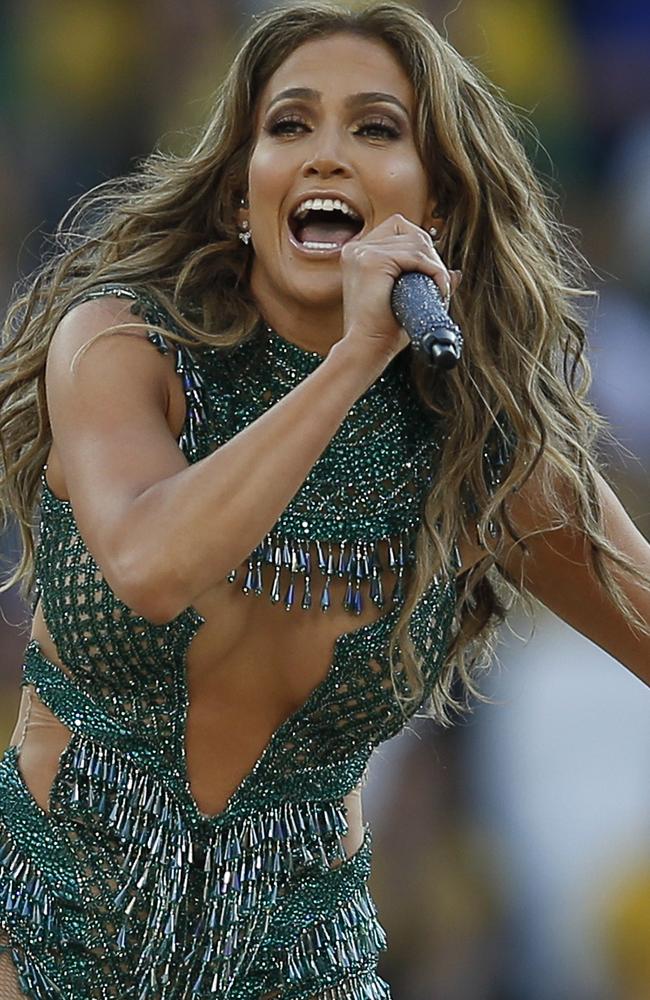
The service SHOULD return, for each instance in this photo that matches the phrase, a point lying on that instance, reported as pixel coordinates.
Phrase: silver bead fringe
(357, 561)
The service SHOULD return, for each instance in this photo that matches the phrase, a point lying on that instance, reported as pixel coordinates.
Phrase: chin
(296, 283)
(324, 285)
(320, 293)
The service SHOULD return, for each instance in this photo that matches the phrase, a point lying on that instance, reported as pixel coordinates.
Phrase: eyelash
(390, 131)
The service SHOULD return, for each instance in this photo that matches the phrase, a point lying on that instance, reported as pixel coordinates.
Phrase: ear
(242, 211)
(433, 217)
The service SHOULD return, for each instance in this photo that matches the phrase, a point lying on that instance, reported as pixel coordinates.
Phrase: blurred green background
(512, 856)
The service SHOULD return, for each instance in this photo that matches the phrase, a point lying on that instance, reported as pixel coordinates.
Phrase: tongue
(337, 231)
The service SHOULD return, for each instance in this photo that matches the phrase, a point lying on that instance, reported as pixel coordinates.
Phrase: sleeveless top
(124, 888)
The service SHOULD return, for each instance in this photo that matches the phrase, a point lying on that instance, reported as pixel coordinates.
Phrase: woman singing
(270, 532)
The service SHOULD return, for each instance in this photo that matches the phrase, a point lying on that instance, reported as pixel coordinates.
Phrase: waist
(74, 734)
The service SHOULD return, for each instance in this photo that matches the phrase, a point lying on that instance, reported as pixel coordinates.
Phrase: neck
(314, 327)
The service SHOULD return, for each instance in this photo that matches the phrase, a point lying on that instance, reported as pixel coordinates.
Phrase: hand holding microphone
(419, 308)
(396, 292)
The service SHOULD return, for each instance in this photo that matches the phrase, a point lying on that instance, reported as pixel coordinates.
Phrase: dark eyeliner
(389, 128)
(274, 126)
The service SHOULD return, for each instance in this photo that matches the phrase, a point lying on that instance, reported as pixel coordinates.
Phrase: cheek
(402, 178)
(404, 188)
(266, 171)
(267, 191)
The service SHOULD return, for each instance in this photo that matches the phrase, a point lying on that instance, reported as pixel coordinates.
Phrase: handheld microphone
(419, 308)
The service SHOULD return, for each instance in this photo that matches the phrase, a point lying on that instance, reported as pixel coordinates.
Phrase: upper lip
(326, 194)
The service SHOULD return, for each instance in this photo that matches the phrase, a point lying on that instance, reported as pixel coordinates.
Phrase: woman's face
(334, 120)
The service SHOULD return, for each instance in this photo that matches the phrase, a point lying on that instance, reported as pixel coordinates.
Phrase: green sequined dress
(124, 889)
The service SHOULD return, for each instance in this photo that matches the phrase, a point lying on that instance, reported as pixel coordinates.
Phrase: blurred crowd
(512, 853)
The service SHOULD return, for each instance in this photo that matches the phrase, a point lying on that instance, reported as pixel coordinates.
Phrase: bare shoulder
(115, 406)
(107, 324)
(529, 513)
(101, 348)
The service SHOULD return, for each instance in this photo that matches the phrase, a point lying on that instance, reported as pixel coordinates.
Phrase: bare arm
(164, 532)
(558, 572)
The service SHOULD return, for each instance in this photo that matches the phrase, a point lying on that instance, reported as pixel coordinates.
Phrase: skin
(557, 570)
(250, 652)
(116, 422)
(320, 143)
(308, 298)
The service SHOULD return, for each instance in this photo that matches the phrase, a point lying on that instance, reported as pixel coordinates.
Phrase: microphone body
(419, 308)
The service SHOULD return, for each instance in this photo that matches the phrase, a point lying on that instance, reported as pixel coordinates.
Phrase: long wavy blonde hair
(170, 227)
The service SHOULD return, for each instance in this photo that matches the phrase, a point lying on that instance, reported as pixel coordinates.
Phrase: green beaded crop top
(125, 888)
(367, 487)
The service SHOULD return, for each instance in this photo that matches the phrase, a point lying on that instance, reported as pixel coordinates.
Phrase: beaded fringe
(326, 945)
(369, 987)
(24, 895)
(244, 869)
(32, 979)
(30, 905)
(193, 385)
(356, 561)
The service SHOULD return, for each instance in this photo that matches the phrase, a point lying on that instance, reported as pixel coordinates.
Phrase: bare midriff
(248, 653)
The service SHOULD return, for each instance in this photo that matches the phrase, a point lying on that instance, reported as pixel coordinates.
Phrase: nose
(325, 167)
(326, 159)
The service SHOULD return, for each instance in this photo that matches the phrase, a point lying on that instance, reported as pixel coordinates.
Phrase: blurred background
(512, 853)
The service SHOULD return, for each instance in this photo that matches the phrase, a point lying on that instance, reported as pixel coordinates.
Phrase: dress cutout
(125, 889)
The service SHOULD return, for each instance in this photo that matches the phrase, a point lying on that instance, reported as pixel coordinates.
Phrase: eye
(375, 129)
(285, 126)
(386, 129)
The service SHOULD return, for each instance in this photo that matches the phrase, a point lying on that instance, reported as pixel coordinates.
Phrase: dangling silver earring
(245, 233)
(433, 232)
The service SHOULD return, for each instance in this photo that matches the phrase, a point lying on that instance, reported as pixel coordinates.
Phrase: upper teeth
(325, 205)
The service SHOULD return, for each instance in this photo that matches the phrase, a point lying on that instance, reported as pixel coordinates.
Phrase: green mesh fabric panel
(125, 889)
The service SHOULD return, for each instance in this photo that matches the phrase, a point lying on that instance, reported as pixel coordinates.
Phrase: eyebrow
(353, 100)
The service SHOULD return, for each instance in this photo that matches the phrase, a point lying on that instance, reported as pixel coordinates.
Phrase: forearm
(209, 516)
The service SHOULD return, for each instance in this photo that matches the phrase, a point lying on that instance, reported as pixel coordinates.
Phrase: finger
(401, 241)
(422, 261)
(445, 288)
(399, 250)
(396, 225)
(403, 225)
(424, 242)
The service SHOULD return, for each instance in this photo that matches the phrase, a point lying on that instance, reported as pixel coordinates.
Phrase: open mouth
(324, 224)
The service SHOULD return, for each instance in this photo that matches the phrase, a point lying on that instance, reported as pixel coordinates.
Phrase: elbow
(147, 591)
(153, 602)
